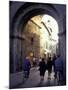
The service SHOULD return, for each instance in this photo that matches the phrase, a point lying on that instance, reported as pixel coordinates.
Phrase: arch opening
(21, 21)
(40, 36)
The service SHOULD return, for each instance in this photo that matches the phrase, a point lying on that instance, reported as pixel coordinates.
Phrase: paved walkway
(34, 80)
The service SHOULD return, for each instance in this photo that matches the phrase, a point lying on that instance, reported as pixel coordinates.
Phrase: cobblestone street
(34, 80)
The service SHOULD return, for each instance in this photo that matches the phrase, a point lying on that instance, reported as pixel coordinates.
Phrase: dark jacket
(49, 65)
(53, 61)
(42, 67)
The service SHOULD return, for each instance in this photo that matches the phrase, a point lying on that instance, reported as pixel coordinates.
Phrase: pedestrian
(40, 59)
(59, 68)
(53, 63)
(42, 68)
(49, 67)
(34, 61)
(26, 67)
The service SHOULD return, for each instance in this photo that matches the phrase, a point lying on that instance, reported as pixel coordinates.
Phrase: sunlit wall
(44, 31)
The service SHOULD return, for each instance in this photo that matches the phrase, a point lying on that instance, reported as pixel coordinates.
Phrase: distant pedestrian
(49, 66)
(53, 63)
(42, 68)
(40, 59)
(59, 67)
(34, 61)
(26, 67)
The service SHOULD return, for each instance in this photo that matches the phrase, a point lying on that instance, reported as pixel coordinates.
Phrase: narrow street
(37, 31)
(34, 80)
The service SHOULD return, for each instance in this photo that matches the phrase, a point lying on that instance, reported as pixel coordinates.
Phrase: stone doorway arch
(20, 13)
(19, 18)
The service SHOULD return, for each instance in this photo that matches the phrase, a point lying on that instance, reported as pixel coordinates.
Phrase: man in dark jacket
(42, 68)
(49, 67)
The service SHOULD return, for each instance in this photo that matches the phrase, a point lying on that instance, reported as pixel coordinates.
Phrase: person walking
(42, 68)
(59, 68)
(53, 63)
(26, 67)
(49, 67)
(34, 61)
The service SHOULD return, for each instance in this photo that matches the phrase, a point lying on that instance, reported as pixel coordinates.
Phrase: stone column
(62, 44)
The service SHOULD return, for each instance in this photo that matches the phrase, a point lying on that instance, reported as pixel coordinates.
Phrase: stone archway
(32, 9)
(20, 18)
